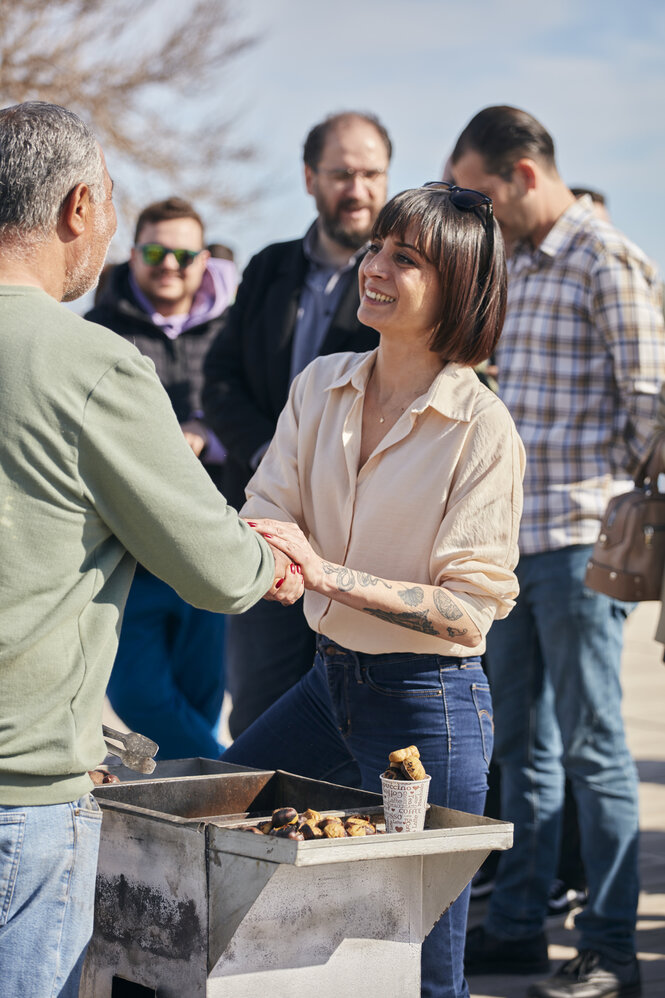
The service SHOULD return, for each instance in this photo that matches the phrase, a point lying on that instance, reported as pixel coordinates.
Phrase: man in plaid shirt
(581, 360)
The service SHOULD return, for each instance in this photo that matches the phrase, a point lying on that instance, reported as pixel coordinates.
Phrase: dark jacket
(247, 371)
(179, 362)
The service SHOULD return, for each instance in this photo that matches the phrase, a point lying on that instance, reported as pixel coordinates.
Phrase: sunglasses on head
(154, 253)
(465, 199)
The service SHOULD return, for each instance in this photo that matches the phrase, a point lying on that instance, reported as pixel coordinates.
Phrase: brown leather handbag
(628, 558)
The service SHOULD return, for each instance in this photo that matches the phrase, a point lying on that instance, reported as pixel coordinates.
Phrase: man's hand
(288, 586)
(196, 435)
(289, 538)
(101, 775)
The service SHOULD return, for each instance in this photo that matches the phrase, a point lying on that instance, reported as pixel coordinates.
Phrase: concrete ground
(644, 715)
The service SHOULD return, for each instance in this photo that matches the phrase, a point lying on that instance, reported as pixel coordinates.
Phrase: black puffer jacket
(179, 362)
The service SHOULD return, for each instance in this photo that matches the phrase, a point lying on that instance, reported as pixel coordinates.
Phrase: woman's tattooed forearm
(417, 620)
(371, 580)
(445, 605)
(347, 578)
(412, 597)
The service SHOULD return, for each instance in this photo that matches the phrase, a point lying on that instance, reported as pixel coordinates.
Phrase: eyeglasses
(466, 199)
(154, 253)
(344, 176)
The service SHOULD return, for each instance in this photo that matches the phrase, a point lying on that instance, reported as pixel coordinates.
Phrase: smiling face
(348, 206)
(170, 288)
(400, 289)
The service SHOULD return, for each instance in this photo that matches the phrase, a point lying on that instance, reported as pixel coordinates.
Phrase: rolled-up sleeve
(476, 550)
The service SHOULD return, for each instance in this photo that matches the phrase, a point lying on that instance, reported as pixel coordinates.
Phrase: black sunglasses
(154, 253)
(466, 199)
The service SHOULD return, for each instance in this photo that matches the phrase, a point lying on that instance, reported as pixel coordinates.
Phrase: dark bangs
(473, 282)
(409, 210)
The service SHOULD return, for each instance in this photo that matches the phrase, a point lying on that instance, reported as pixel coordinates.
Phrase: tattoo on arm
(412, 597)
(456, 632)
(371, 580)
(445, 605)
(416, 620)
(346, 578)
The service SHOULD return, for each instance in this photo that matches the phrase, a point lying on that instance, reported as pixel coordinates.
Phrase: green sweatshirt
(95, 474)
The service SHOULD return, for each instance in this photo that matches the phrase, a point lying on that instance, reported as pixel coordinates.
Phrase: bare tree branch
(142, 80)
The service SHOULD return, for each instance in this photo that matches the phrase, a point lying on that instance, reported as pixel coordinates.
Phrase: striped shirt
(581, 360)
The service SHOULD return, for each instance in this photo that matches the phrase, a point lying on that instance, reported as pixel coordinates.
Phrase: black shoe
(563, 900)
(486, 954)
(591, 975)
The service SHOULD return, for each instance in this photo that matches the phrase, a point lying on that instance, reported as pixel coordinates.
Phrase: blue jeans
(555, 667)
(48, 862)
(168, 676)
(268, 649)
(341, 721)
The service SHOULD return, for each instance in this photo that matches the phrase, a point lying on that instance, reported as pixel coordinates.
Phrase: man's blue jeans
(340, 722)
(168, 676)
(555, 667)
(48, 862)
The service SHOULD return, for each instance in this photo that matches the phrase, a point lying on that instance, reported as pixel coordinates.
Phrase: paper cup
(405, 804)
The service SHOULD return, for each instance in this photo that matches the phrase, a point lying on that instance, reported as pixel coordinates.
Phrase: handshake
(289, 584)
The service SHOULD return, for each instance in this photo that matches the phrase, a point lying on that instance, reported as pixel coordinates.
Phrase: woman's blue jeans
(555, 667)
(48, 862)
(341, 721)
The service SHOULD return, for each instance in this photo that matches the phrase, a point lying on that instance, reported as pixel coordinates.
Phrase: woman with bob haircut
(393, 483)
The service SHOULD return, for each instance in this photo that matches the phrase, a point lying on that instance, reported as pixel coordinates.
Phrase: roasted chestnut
(413, 769)
(334, 830)
(310, 815)
(310, 831)
(284, 816)
(288, 832)
(399, 755)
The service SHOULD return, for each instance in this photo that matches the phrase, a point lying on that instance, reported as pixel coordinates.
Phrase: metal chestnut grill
(187, 903)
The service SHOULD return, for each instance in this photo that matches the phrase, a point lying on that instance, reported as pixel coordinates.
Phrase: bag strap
(651, 465)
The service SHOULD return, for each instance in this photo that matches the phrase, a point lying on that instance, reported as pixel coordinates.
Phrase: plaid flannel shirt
(581, 360)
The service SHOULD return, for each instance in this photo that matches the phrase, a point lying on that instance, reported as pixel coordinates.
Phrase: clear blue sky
(593, 72)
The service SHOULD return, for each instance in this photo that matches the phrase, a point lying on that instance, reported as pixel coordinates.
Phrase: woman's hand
(288, 586)
(289, 538)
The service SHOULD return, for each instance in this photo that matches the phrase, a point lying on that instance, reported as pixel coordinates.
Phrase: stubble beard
(351, 239)
(84, 275)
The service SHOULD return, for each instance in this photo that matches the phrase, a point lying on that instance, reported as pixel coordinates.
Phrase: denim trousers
(343, 718)
(555, 668)
(48, 862)
(168, 676)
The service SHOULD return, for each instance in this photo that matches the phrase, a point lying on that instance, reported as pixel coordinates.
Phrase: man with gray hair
(83, 495)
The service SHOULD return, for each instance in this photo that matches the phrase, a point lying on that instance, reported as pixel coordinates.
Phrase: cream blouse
(438, 501)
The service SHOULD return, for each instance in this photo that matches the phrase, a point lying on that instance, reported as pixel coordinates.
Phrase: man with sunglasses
(168, 299)
(297, 300)
(580, 360)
